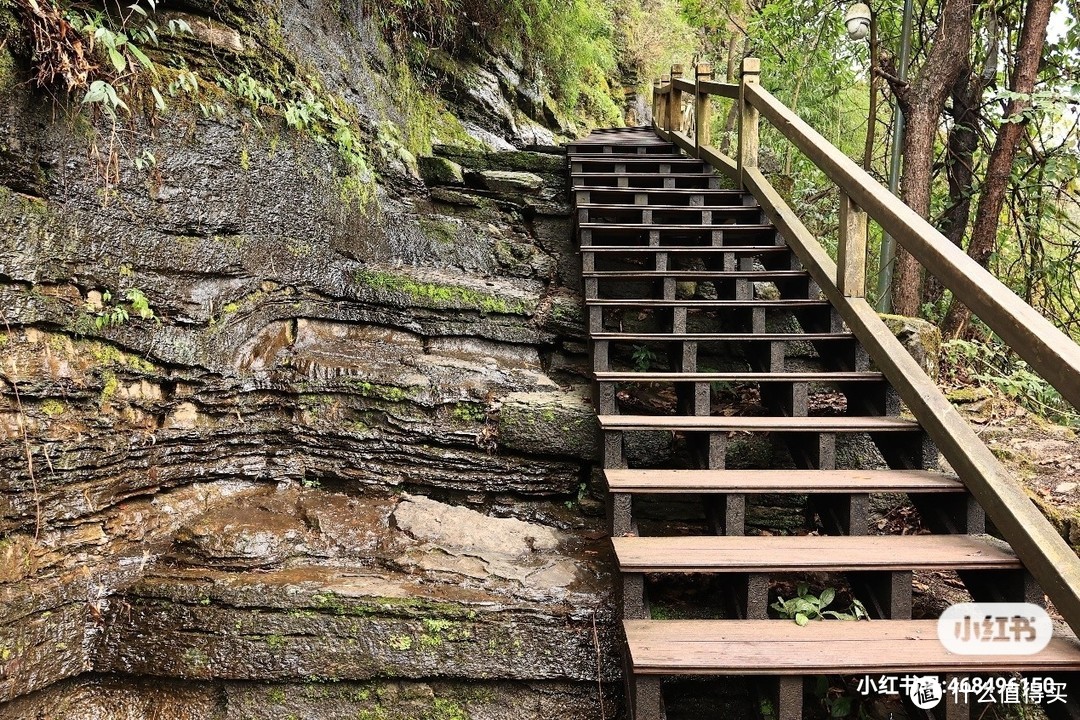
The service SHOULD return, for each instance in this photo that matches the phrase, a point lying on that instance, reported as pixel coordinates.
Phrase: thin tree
(922, 101)
(999, 167)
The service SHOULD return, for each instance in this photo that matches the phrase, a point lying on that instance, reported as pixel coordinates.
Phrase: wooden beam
(1043, 551)
(683, 85)
(1046, 349)
(851, 249)
(748, 117)
(719, 161)
(702, 108)
(721, 89)
(674, 109)
(656, 103)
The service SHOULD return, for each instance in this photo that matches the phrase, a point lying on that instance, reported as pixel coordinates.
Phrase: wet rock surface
(285, 495)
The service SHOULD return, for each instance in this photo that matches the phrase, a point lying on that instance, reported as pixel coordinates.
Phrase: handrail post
(675, 101)
(748, 118)
(851, 249)
(702, 108)
(665, 101)
(656, 103)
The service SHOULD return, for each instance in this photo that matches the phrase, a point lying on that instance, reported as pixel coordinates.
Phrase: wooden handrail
(1046, 349)
(1050, 352)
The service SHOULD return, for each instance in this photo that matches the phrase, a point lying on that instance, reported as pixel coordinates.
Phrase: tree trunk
(999, 167)
(922, 102)
(959, 166)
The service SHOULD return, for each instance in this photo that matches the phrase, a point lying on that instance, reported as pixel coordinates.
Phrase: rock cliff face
(340, 469)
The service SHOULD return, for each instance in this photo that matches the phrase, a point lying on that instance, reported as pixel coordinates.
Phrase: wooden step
(775, 554)
(715, 304)
(755, 275)
(722, 337)
(649, 191)
(618, 156)
(829, 424)
(753, 482)
(671, 227)
(828, 647)
(738, 377)
(684, 249)
(707, 173)
(675, 208)
(636, 161)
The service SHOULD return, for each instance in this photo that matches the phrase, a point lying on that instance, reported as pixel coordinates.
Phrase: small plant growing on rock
(116, 314)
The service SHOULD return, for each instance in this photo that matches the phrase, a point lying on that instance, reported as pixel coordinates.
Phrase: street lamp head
(857, 21)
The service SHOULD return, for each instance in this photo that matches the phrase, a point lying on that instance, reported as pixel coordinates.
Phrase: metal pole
(887, 256)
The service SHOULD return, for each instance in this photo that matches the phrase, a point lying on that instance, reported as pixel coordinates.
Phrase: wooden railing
(1046, 349)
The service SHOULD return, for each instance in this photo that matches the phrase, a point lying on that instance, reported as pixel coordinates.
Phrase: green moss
(469, 412)
(276, 696)
(4, 340)
(441, 231)
(401, 642)
(275, 642)
(107, 355)
(8, 75)
(441, 296)
(53, 408)
(109, 388)
(390, 393)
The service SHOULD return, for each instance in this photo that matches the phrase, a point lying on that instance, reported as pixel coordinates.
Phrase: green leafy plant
(120, 40)
(112, 314)
(644, 358)
(806, 606)
(991, 364)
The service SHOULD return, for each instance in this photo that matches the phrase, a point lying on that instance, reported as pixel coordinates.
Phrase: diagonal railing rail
(1046, 349)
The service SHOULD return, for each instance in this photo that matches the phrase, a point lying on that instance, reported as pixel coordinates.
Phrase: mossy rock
(521, 160)
(921, 338)
(510, 181)
(968, 395)
(1066, 520)
(549, 423)
(440, 171)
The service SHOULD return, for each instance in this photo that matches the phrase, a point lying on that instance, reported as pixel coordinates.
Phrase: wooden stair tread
(780, 647)
(744, 227)
(705, 274)
(679, 208)
(665, 191)
(707, 173)
(841, 376)
(613, 156)
(810, 553)
(725, 337)
(845, 423)
(754, 249)
(651, 302)
(780, 481)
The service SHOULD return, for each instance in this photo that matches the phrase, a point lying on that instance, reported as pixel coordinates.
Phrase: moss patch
(440, 296)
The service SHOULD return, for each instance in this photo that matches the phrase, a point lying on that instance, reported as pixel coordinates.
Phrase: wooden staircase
(680, 277)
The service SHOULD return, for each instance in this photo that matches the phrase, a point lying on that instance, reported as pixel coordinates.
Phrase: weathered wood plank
(757, 424)
(780, 481)
(810, 553)
(771, 647)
